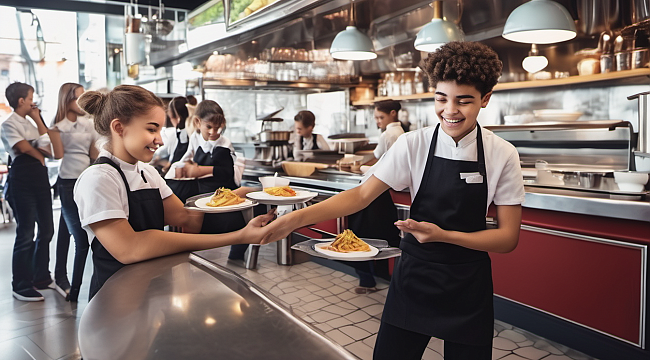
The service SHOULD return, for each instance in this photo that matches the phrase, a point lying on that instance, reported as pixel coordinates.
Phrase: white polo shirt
(16, 128)
(100, 193)
(388, 138)
(170, 141)
(403, 165)
(77, 138)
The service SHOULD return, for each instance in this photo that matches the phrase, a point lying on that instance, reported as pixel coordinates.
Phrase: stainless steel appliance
(581, 154)
(272, 146)
(642, 153)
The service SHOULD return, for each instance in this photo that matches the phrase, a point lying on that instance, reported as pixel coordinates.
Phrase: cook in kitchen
(442, 285)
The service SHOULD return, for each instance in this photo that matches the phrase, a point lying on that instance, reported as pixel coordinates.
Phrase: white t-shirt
(308, 143)
(100, 192)
(197, 141)
(77, 138)
(16, 128)
(388, 138)
(403, 165)
(170, 141)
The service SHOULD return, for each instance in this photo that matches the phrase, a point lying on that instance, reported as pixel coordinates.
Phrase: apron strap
(106, 160)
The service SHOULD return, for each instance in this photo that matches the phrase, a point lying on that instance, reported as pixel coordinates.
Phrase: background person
(74, 140)
(28, 192)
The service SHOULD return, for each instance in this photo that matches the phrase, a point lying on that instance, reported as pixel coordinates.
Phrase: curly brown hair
(467, 63)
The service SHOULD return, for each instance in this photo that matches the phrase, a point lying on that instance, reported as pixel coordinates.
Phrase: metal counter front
(185, 307)
(571, 201)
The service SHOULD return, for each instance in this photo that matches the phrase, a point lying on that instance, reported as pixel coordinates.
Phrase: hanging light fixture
(352, 44)
(438, 32)
(539, 22)
(534, 62)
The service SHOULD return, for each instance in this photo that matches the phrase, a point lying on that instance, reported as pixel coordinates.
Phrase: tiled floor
(320, 295)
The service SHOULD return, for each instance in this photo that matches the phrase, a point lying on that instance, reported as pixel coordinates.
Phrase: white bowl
(557, 115)
(631, 180)
(272, 181)
(642, 163)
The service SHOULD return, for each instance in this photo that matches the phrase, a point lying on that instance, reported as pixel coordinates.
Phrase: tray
(385, 252)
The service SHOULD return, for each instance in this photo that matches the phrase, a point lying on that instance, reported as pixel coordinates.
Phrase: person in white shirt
(305, 139)
(175, 137)
(386, 117)
(28, 192)
(376, 220)
(442, 284)
(123, 201)
(73, 140)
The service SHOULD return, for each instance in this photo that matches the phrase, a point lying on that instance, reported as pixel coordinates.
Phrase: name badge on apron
(472, 177)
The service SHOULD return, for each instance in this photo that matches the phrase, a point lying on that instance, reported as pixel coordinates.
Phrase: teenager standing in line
(28, 192)
(73, 140)
(442, 285)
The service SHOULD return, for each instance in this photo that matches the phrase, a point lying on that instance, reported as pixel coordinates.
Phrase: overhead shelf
(636, 76)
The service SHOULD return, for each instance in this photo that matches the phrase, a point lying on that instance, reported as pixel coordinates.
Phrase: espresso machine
(272, 146)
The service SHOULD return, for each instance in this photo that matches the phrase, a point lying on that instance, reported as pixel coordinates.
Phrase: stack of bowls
(631, 181)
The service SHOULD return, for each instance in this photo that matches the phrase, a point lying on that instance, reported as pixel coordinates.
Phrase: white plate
(201, 205)
(339, 255)
(264, 198)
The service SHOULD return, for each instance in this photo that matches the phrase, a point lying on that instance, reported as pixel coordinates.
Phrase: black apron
(314, 144)
(26, 171)
(181, 148)
(183, 189)
(146, 212)
(223, 175)
(440, 289)
(223, 169)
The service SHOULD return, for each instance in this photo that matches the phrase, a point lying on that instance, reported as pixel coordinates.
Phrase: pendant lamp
(539, 22)
(352, 44)
(438, 32)
(534, 62)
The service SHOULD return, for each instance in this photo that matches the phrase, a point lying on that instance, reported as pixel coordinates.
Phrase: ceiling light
(534, 62)
(539, 22)
(352, 44)
(437, 32)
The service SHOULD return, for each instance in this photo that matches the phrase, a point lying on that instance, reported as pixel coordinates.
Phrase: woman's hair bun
(92, 102)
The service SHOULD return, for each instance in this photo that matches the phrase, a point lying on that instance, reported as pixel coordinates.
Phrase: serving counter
(579, 275)
(185, 306)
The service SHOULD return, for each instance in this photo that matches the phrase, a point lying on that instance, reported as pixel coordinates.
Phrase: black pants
(397, 343)
(69, 223)
(31, 203)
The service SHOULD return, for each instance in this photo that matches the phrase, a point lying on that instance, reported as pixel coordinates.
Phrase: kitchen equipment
(556, 115)
(271, 136)
(623, 60)
(590, 180)
(631, 181)
(643, 140)
(639, 58)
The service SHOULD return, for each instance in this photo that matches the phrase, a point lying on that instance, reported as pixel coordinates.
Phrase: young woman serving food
(442, 285)
(123, 202)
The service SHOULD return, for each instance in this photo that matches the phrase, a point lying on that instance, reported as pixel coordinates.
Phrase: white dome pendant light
(352, 44)
(534, 62)
(539, 22)
(437, 32)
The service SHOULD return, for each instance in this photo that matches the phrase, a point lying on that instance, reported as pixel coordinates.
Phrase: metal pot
(266, 136)
(589, 180)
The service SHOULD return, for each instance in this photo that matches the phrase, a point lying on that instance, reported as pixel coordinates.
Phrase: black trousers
(397, 343)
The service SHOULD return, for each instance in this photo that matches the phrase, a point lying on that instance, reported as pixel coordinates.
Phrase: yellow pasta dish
(280, 191)
(346, 242)
(224, 197)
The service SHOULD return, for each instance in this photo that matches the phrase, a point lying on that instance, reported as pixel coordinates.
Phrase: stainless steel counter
(185, 307)
(572, 201)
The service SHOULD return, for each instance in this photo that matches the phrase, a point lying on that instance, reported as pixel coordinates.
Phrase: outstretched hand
(255, 231)
(422, 231)
(278, 229)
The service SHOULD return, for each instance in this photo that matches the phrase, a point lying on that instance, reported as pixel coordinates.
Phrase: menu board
(242, 9)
